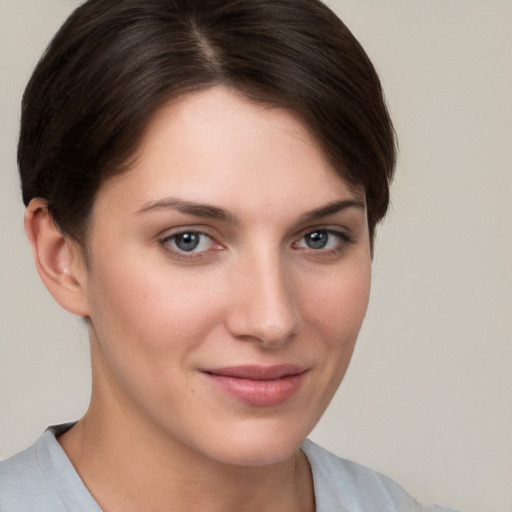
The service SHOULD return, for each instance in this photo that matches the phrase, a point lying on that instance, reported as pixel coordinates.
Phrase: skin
(252, 293)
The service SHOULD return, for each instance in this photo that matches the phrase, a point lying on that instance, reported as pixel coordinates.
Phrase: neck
(130, 465)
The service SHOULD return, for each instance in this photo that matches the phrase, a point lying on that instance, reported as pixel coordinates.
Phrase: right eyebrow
(190, 208)
(332, 208)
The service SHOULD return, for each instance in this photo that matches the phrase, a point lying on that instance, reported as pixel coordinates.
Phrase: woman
(203, 180)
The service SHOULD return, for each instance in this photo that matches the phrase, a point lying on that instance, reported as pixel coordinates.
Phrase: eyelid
(330, 228)
(193, 228)
(168, 235)
(345, 239)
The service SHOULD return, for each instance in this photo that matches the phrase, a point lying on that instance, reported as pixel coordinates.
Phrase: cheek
(147, 328)
(333, 315)
(149, 308)
(337, 308)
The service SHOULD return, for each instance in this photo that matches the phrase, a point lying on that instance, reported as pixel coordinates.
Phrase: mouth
(259, 385)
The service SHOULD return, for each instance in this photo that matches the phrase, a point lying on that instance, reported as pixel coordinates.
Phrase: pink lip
(259, 385)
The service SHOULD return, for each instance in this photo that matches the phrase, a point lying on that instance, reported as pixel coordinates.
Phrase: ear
(59, 260)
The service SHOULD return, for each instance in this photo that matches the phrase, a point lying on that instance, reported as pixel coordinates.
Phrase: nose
(263, 305)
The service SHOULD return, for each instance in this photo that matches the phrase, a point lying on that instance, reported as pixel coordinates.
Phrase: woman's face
(229, 275)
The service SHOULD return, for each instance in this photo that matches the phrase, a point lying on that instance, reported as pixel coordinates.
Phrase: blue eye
(189, 241)
(323, 239)
(317, 239)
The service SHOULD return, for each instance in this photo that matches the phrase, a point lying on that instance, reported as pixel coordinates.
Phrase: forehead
(217, 146)
(221, 116)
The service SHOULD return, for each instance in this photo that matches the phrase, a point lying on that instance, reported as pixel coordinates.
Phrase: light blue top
(42, 479)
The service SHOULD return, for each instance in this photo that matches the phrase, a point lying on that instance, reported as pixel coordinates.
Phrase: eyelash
(344, 240)
(187, 255)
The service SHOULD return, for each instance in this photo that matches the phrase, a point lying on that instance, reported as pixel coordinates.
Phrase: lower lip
(259, 392)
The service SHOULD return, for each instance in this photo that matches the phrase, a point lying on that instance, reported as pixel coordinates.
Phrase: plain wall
(428, 398)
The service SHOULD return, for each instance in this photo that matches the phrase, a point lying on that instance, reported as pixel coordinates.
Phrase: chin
(257, 445)
(258, 454)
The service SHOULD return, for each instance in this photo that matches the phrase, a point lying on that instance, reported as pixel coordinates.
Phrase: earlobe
(58, 259)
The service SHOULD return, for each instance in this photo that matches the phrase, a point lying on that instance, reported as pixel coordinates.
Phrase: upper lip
(257, 372)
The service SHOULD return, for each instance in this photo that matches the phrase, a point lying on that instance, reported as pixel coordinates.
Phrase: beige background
(428, 399)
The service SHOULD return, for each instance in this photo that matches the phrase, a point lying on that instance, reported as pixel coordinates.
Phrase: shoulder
(42, 478)
(341, 484)
(22, 483)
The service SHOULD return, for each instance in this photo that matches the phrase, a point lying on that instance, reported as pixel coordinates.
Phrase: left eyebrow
(190, 208)
(331, 209)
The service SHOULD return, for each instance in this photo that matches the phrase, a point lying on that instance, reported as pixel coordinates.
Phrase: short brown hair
(114, 63)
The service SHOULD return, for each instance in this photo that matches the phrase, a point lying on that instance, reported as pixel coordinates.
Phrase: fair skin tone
(227, 278)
